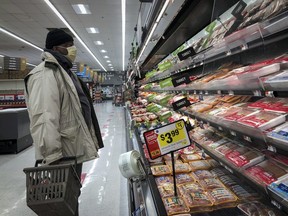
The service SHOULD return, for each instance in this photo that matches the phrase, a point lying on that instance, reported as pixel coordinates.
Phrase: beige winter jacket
(57, 125)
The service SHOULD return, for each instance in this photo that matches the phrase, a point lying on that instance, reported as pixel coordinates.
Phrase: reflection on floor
(104, 190)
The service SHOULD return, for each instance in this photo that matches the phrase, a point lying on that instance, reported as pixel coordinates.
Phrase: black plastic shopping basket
(52, 190)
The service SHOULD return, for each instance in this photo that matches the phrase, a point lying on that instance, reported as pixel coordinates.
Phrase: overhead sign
(166, 139)
(181, 80)
(186, 53)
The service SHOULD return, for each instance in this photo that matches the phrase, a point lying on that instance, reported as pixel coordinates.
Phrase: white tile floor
(104, 190)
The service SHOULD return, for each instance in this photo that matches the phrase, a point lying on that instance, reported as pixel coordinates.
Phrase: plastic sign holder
(167, 139)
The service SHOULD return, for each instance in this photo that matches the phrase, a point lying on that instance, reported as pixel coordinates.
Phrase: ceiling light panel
(92, 30)
(81, 9)
(98, 43)
(108, 61)
(103, 51)
(106, 57)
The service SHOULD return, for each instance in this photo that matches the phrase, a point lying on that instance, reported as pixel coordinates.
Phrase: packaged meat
(244, 192)
(189, 188)
(213, 163)
(239, 114)
(181, 168)
(229, 111)
(226, 148)
(219, 171)
(229, 180)
(189, 150)
(282, 159)
(222, 196)
(167, 157)
(218, 143)
(258, 209)
(280, 187)
(166, 190)
(190, 157)
(280, 133)
(242, 156)
(197, 199)
(199, 165)
(160, 170)
(163, 180)
(211, 183)
(263, 120)
(175, 205)
(273, 104)
(202, 174)
(169, 162)
(199, 107)
(184, 178)
(266, 172)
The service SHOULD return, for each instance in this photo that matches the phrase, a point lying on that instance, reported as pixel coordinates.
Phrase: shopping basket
(52, 190)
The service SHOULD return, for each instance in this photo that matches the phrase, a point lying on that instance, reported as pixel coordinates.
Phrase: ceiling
(30, 19)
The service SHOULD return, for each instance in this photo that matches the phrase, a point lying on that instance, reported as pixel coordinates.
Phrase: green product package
(165, 116)
(150, 74)
(165, 65)
(148, 86)
(164, 101)
(166, 83)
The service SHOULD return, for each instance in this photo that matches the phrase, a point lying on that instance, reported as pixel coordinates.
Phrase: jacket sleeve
(44, 110)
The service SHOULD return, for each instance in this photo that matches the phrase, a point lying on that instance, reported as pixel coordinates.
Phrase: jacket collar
(57, 57)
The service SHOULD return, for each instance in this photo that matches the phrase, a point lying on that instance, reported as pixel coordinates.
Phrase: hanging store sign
(181, 80)
(180, 104)
(11, 63)
(237, 12)
(167, 139)
(186, 53)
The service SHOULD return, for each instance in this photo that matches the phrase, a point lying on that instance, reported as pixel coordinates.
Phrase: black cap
(57, 37)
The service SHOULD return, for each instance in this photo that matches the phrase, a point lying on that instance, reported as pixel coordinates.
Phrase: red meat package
(243, 156)
(266, 172)
(239, 114)
(274, 104)
(263, 120)
(226, 148)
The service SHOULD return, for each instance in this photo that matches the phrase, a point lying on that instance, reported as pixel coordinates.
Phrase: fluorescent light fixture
(99, 43)
(81, 9)
(72, 30)
(109, 64)
(20, 39)
(108, 61)
(163, 9)
(123, 9)
(30, 64)
(106, 57)
(92, 30)
(103, 51)
(1, 55)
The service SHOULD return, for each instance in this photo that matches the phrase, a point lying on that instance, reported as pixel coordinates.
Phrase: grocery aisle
(104, 190)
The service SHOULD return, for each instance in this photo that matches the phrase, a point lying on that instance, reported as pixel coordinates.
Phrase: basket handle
(70, 158)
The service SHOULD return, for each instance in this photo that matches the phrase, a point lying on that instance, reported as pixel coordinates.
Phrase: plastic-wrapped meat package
(190, 157)
(263, 120)
(175, 205)
(219, 171)
(213, 163)
(169, 162)
(160, 170)
(229, 180)
(280, 187)
(244, 192)
(226, 148)
(175, 98)
(202, 174)
(168, 157)
(184, 178)
(273, 104)
(189, 188)
(166, 190)
(282, 159)
(240, 114)
(211, 183)
(243, 156)
(229, 111)
(223, 197)
(258, 209)
(181, 168)
(199, 165)
(199, 107)
(218, 143)
(265, 172)
(163, 180)
(274, 8)
(198, 199)
(212, 100)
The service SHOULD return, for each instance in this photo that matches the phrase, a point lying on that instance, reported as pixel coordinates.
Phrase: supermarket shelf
(250, 37)
(278, 201)
(233, 170)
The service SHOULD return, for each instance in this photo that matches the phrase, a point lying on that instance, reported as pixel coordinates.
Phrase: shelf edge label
(186, 53)
(181, 80)
(180, 104)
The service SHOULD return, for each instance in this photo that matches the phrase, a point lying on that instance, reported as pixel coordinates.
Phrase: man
(62, 119)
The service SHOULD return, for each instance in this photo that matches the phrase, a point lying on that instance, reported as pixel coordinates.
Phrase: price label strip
(166, 139)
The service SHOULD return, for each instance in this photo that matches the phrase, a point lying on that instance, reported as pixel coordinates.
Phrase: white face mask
(72, 52)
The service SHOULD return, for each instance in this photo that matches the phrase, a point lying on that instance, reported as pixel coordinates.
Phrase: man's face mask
(72, 52)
